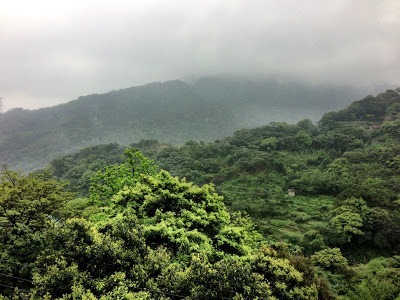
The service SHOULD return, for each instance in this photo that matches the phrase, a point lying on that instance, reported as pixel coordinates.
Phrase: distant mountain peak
(166, 83)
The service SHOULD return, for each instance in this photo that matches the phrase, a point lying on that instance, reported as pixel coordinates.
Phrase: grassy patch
(287, 221)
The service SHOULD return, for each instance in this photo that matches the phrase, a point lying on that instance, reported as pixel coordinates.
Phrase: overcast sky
(55, 51)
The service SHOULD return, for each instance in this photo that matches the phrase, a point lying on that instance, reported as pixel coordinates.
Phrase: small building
(374, 126)
(291, 192)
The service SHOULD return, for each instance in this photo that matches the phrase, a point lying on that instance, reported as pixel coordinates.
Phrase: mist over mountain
(256, 102)
(171, 112)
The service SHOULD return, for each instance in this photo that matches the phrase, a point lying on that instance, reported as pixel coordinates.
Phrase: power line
(22, 264)
(137, 288)
(15, 277)
(12, 287)
(27, 280)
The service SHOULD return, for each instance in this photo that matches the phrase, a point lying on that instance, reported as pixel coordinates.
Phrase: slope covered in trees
(172, 112)
(345, 171)
(141, 234)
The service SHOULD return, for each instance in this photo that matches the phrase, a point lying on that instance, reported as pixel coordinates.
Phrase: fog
(53, 52)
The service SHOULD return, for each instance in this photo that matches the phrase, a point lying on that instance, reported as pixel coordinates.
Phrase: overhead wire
(22, 264)
(26, 280)
(11, 287)
(30, 281)
(16, 277)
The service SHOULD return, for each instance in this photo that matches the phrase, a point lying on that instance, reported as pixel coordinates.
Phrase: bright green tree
(28, 203)
(163, 236)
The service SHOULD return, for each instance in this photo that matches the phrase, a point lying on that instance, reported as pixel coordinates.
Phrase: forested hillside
(140, 234)
(172, 112)
(169, 111)
(345, 170)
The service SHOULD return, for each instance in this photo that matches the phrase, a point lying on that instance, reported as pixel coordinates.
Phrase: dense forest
(172, 112)
(214, 220)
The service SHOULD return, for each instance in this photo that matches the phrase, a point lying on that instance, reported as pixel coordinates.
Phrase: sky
(55, 51)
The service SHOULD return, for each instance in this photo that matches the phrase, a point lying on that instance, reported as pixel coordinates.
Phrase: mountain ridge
(171, 112)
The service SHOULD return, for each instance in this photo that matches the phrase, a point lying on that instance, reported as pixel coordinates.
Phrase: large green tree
(28, 204)
(161, 237)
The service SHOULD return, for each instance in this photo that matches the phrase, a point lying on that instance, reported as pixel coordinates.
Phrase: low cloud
(52, 53)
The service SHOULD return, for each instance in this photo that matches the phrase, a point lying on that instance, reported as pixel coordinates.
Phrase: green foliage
(346, 225)
(184, 217)
(105, 184)
(377, 280)
(29, 200)
(368, 109)
(158, 237)
(312, 242)
(268, 144)
(347, 183)
(329, 259)
(28, 204)
(79, 167)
